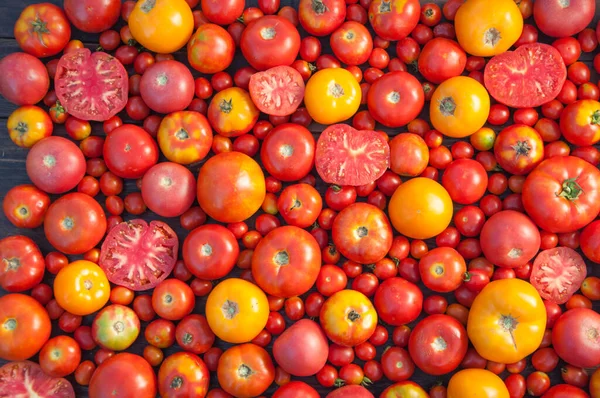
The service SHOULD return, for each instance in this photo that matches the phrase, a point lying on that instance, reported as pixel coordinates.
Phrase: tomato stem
(148, 5)
(522, 148)
(244, 371)
(177, 382)
(353, 315)
(571, 190)
(596, 117)
(447, 106)
(226, 106)
(22, 128)
(319, 7)
(386, 6)
(10, 324)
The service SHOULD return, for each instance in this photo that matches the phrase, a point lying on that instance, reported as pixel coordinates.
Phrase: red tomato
(245, 370)
(210, 251)
(564, 391)
(295, 389)
(167, 87)
(558, 19)
(193, 334)
(168, 189)
(129, 151)
(42, 30)
(558, 273)
(351, 43)
(26, 378)
(278, 91)
(173, 299)
(183, 374)
(579, 122)
(397, 365)
(409, 155)
(22, 264)
(395, 99)
(518, 149)
(124, 374)
(441, 59)
(576, 337)
(25, 80)
(590, 244)
(288, 151)
(465, 180)
(210, 49)
(321, 18)
(289, 349)
(25, 206)
(270, 41)
(300, 205)
(442, 269)
(93, 16)
(394, 20)
(60, 356)
(398, 301)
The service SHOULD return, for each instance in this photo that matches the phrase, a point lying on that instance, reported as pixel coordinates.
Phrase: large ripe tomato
(476, 382)
(519, 149)
(137, 255)
(398, 301)
(465, 180)
(55, 165)
(296, 389)
(579, 122)
(558, 273)
(168, 189)
(530, 76)
(404, 389)
(321, 17)
(115, 327)
(210, 251)
(75, 223)
(442, 59)
(484, 30)
(362, 233)
(167, 86)
(509, 239)
(25, 327)
(442, 269)
(420, 208)
(232, 113)
(123, 375)
(28, 125)
(231, 187)
(507, 321)
(270, 41)
(183, 374)
(576, 337)
(245, 370)
(27, 379)
(277, 91)
(565, 391)
(351, 43)
(590, 244)
(395, 99)
(438, 344)
(237, 310)
(42, 30)
(394, 19)
(562, 194)
(286, 262)
(288, 152)
(459, 107)
(81, 288)
(300, 205)
(129, 151)
(93, 16)
(332, 95)
(354, 391)
(557, 18)
(409, 154)
(91, 86)
(25, 206)
(211, 49)
(348, 318)
(290, 348)
(185, 137)
(346, 156)
(25, 79)
(21, 264)
(162, 26)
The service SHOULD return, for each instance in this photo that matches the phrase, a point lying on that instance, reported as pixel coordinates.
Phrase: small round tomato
(168, 189)
(332, 95)
(42, 30)
(81, 288)
(173, 299)
(394, 20)
(210, 251)
(351, 43)
(232, 113)
(124, 141)
(395, 99)
(518, 149)
(321, 18)
(300, 205)
(442, 269)
(115, 327)
(29, 124)
(398, 301)
(25, 206)
(245, 370)
(211, 49)
(579, 122)
(22, 264)
(60, 356)
(183, 374)
(348, 318)
(288, 152)
(465, 180)
(441, 59)
(476, 382)
(409, 155)
(185, 137)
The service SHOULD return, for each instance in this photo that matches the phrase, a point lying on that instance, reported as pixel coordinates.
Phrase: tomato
(115, 327)
(595, 384)
(91, 86)
(183, 374)
(93, 16)
(469, 383)
(25, 206)
(295, 389)
(557, 19)
(507, 321)
(210, 251)
(441, 59)
(350, 391)
(277, 91)
(162, 26)
(345, 156)
(351, 43)
(185, 137)
(321, 18)
(81, 288)
(42, 30)
(397, 365)
(290, 347)
(22, 264)
(438, 344)
(28, 125)
(398, 301)
(561, 194)
(223, 12)
(518, 149)
(300, 205)
(168, 189)
(395, 99)
(565, 390)
(579, 122)
(332, 95)
(245, 370)
(465, 180)
(125, 375)
(211, 49)
(558, 273)
(409, 155)
(167, 86)
(173, 299)
(25, 79)
(459, 107)
(231, 187)
(26, 378)
(485, 33)
(287, 152)
(420, 208)
(394, 20)
(404, 389)
(125, 140)
(270, 41)
(442, 269)
(348, 318)
(522, 89)
(74, 223)
(589, 242)
(232, 113)
(576, 337)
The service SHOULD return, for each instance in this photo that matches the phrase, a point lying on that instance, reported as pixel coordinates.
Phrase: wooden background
(12, 173)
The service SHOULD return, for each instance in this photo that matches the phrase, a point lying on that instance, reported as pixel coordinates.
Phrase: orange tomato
(81, 288)
(595, 384)
(332, 95)
(409, 155)
(475, 383)
(185, 137)
(28, 125)
(232, 113)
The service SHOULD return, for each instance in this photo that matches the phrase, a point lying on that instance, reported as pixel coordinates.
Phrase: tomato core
(22, 128)
(230, 309)
(593, 334)
(447, 106)
(336, 90)
(245, 371)
(361, 232)
(349, 35)
(87, 284)
(148, 5)
(492, 36)
(318, 7)
(286, 151)
(439, 344)
(438, 269)
(206, 249)
(571, 189)
(182, 134)
(23, 211)
(162, 79)
(281, 258)
(119, 327)
(187, 338)
(564, 3)
(353, 316)
(515, 253)
(166, 182)
(13, 263)
(49, 161)
(56, 354)
(522, 148)
(10, 324)
(68, 223)
(38, 26)
(393, 97)
(268, 33)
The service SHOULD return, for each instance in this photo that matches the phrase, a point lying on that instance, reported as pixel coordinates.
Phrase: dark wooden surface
(12, 172)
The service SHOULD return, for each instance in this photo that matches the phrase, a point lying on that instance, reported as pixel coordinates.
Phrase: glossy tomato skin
(288, 152)
(270, 41)
(442, 269)
(556, 20)
(25, 79)
(81, 288)
(120, 147)
(441, 59)
(394, 20)
(134, 373)
(348, 318)
(351, 43)
(173, 299)
(398, 301)
(395, 99)
(245, 370)
(409, 155)
(465, 180)
(185, 137)
(300, 205)
(332, 95)
(167, 86)
(168, 189)
(93, 16)
(296, 389)
(590, 245)
(42, 30)
(565, 390)
(578, 122)
(476, 381)
(211, 49)
(518, 149)
(232, 113)
(25, 206)
(289, 349)
(115, 327)
(22, 264)
(183, 374)
(356, 391)
(321, 18)
(26, 378)
(210, 251)
(576, 337)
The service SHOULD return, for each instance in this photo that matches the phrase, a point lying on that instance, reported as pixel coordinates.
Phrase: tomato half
(332, 95)
(558, 273)
(81, 288)
(277, 91)
(26, 378)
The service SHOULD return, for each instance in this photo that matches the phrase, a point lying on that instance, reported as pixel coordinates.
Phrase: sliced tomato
(558, 273)
(346, 156)
(137, 255)
(26, 379)
(91, 86)
(530, 76)
(277, 91)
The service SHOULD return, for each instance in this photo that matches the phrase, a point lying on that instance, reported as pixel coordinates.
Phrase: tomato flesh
(277, 91)
(558, 273)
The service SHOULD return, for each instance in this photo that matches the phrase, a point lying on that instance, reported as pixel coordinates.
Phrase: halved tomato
(137, 255)
(27, 379)
(277, 91)
(91, 86)
(346, 156)
(558, 273)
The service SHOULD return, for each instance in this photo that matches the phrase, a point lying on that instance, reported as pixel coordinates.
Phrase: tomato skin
(300, 205)
(576, 339)
(295, 389)
(403, 389)
(210, 49)
(42, 30)
(210, 251)
(321, 19)
(111, 375)
(442, 269)
(81, 288)
(441, 59)
(590, 245)
(394, 20)
(173, 299)
(124, 141)
(93, 16)
(185, 137)
(25, 79)
(168, 189)
(28, 125)
(22, 264)
(167, 87)
(232, 113)
(245, 370)
(351, 43)
(25, 206)
(548, 15)
(270, 41)
(565, 390)
(476, 381)
(183, 374)
(578, 122)
(518, 149)
(465, 180)
(288, 349)
(332, 95)
(409, 154)
(398, 301)
(395, 99)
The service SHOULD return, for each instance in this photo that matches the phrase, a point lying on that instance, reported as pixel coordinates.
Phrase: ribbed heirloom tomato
(42, 30)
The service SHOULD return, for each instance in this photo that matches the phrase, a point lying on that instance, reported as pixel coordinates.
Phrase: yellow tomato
(420, 208)
(459, 107)
(488, 27)
(332, 95)
(185, 137)
(81, 288)
(232, 113)
(476, 383)
(162, 26)
(29, 124)
(507, 321)
(237, 310)
(483, 139)
(595, 384)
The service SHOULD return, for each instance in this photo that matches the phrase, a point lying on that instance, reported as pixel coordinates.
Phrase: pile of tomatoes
(370, 197)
